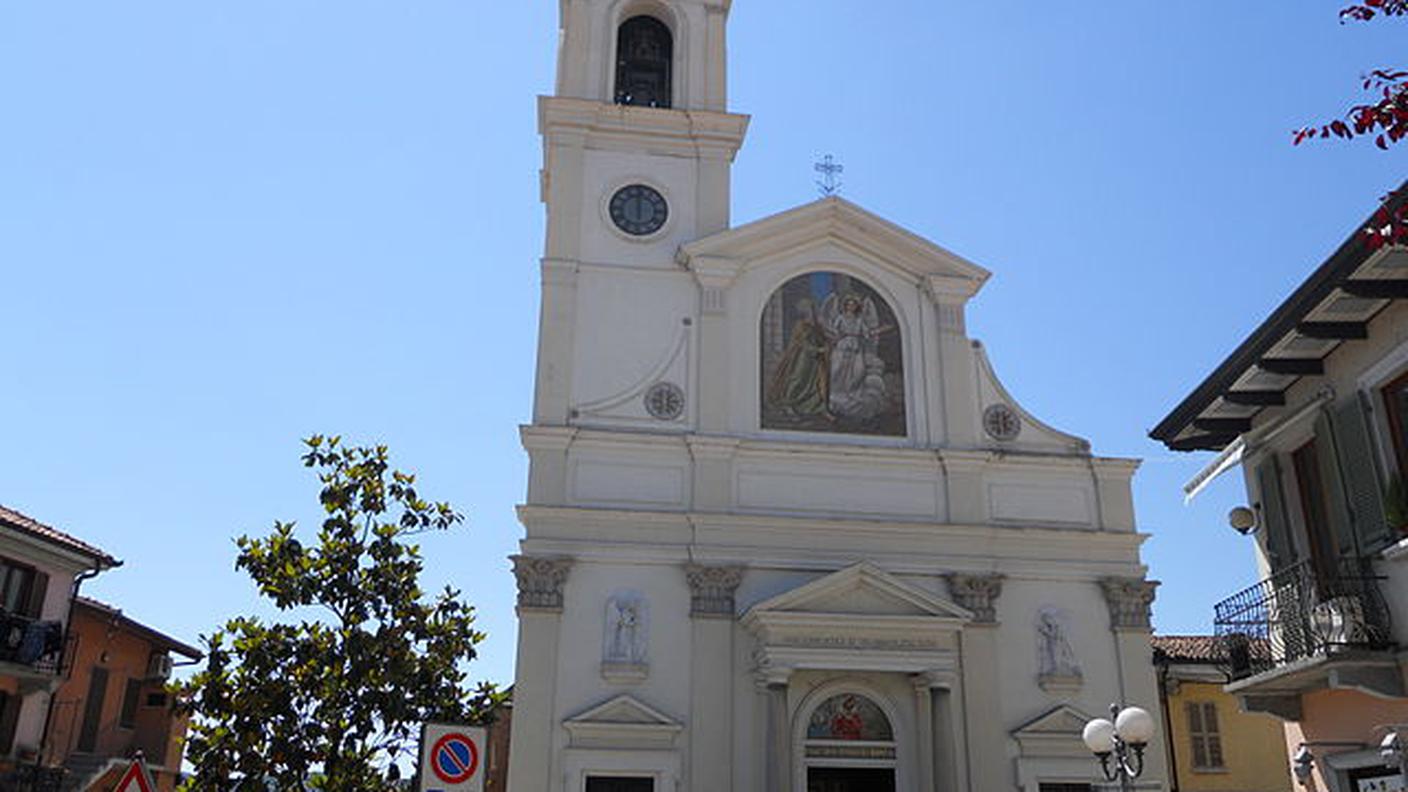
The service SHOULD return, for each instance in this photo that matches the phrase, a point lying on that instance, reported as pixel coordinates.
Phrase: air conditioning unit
(159, 666)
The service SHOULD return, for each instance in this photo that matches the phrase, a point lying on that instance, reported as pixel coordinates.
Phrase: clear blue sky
(224, 226)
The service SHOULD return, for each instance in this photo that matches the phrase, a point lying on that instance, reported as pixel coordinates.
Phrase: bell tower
(637, 148)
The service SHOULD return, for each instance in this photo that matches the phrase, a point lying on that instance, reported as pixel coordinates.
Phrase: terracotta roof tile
(9, 518)
(1187, 648)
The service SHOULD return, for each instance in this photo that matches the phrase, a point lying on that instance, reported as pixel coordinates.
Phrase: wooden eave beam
(1223, 426)
(1295, 367)
(1376, 289)
(1201, 442)
(1334, 331)
(1256, 398)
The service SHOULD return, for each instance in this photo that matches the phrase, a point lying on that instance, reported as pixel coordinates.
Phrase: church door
(850, 779)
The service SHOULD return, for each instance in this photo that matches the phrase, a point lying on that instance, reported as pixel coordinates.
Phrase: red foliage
(1371, 8)
(1389, 225)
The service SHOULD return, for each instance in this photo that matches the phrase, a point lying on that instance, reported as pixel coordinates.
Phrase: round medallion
(1001, 422)
(665, 401)
(639, 210)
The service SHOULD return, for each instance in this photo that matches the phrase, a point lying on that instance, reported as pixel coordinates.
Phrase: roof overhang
(1330, 308)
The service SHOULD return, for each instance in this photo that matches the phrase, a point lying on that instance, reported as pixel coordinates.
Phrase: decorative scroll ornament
(977, 593)
(711, 589)
(1129, 600)
(1001, 422)
(540, 581)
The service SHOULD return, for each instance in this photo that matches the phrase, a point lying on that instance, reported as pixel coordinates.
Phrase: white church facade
(785, 530)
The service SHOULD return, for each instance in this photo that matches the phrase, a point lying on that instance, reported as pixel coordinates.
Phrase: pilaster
(1129, 600)
(986, 739)
(711, 675)
(540, 597)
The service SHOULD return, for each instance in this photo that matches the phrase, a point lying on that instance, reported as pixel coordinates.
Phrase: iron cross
(829, 169)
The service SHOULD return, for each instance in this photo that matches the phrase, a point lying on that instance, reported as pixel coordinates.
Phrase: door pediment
(860, 618)
(1054, 733)
(622, 722)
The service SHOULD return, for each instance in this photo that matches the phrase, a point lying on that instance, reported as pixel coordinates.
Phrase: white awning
(1233, 454)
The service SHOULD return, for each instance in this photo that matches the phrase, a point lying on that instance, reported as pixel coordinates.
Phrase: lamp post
(1122, 741)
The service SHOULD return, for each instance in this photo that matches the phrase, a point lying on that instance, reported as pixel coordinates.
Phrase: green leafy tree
(331, 701)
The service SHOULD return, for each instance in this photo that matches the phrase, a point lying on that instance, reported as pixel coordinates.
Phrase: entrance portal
(850, 779)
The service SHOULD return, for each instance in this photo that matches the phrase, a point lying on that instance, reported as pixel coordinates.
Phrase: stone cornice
(626, 128)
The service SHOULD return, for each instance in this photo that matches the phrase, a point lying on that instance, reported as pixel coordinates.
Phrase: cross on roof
(829, 169)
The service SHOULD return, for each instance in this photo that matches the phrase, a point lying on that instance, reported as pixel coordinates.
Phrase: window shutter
(1214, 736)
(1336, 506)
(1279, 550)
(1360, 465)
(34, 599)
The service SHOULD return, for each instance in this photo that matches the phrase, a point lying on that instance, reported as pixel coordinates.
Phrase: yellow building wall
(1253, 746)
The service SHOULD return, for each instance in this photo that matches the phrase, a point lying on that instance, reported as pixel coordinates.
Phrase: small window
(1205, 736)
(155, 700)
(16, 587)
(128, 717)
(644, 52)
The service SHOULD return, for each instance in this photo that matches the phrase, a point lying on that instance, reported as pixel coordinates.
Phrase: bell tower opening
(645, 52)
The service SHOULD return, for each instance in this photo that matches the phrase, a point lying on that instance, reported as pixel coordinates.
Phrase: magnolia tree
(1384, 117)
(332, 696)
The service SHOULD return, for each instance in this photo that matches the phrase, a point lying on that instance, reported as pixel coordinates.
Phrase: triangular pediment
(1059, 720)
(843, 223)
(624, 709)
(862, 589)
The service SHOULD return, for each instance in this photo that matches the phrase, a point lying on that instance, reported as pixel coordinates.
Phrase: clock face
(639, 210)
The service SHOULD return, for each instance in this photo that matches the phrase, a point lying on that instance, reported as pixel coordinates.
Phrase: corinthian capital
(1129, 600)
(977, 593)
(711, 590)
(540, 581)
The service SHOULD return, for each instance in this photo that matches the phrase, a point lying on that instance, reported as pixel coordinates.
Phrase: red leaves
(1363, 12)
(1387, 118)
(1389, 224)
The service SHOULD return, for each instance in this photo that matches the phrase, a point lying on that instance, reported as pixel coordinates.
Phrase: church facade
(785, 529)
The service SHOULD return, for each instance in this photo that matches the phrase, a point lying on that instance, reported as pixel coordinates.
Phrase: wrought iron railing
(33, 778)
(40, 645)
(1299, 613)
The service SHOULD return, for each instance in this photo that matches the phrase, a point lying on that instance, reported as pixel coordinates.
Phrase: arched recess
(831, 358)
(644, 70)
(848, 728)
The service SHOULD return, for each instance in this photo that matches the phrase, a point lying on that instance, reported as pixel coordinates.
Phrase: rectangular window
(133, 694)
(1396, 407)
(16, 582)
(620, 784)
(1205, 736)
(155, 700)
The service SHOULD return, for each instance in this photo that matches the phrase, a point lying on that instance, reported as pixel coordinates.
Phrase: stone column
(777, 757)
(711, 611)
(540, 583)
(986, 735)
(1129, 600)
(924, 718)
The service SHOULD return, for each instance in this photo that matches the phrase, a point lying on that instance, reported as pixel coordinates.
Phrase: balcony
(1304, 629)
(34, 651)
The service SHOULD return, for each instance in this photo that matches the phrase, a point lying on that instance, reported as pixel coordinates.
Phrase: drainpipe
(1162, 661)
(87, 574)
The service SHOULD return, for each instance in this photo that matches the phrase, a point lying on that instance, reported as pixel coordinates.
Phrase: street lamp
(1124, 741)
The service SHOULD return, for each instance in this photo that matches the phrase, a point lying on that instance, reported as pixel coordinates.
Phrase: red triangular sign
(135, 779)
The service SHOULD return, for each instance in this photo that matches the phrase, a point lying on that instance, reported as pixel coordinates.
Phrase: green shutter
(1360, 464)
(1280, 552)
(1336, 505)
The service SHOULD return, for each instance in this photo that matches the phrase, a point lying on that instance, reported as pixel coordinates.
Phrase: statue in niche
(1055, 656)
(627, 624)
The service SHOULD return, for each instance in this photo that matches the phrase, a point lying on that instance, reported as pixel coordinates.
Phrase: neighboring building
(785, 528)
(1314, 406)
(40, 569)
(1213, 746)
(115, 701)
(497, 746)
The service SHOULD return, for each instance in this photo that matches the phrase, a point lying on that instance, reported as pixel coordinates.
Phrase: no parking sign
(451, 758)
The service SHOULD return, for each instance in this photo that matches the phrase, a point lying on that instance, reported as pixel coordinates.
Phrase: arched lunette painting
(831, 358)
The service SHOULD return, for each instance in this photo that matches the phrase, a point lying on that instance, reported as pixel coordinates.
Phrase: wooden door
(93, 710)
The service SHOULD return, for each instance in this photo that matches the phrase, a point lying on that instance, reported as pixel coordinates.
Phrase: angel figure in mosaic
(852, 324)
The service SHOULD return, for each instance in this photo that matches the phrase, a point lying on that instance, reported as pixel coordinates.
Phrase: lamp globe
(1135, 725)
(1099, 736)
